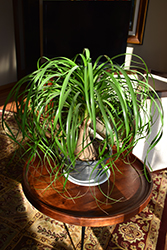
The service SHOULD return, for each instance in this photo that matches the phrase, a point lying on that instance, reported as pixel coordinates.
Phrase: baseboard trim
(7, 86)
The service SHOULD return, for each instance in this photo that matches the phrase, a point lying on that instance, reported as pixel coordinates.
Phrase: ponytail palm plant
(77, 110)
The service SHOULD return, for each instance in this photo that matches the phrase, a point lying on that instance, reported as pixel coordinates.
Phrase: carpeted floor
(22, 227)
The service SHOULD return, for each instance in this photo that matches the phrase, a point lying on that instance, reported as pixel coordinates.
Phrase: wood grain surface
(125, 194)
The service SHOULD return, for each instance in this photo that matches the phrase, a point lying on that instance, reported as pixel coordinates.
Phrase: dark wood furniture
(128, 185)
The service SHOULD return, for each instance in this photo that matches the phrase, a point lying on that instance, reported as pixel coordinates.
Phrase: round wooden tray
(128, 190)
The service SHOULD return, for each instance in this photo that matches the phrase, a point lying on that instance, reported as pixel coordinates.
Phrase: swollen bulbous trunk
(89, 152)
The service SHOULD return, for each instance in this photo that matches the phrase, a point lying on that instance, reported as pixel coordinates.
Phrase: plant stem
(88, 152)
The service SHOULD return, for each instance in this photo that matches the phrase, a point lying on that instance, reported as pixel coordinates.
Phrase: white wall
(7, 44)
(154, 47)
(153, 50)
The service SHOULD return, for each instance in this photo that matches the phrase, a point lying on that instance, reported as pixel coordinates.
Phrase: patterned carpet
(22, 227)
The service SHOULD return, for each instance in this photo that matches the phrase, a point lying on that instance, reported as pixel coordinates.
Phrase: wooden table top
(128, 186)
